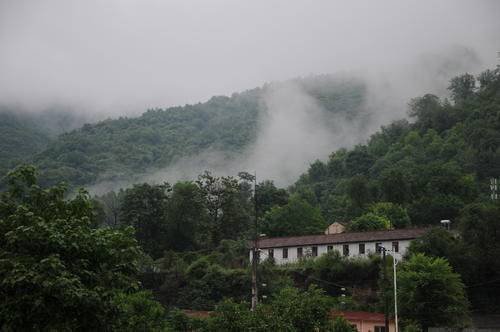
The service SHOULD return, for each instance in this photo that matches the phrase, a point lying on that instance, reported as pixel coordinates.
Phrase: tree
(487, 78)
(369, 222)
(430, 294)
(145, 208)
(297, 217)
(185, 213)
(317, 171)
(462, 87)
(479, 226)
(359, 161)
(425, 109)
(268, 196)
(342, 325)
(438, 243)
(358, 192)
(393, 186)
(226, 205)
(112, 207)
(396, 214)
(57, 272)
(303, 310)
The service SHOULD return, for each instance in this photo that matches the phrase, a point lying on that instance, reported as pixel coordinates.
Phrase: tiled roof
(388, 235)
(362, 316)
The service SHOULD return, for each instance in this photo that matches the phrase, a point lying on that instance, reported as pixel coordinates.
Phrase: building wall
(322, 249)
(369, 326)
(335, 228)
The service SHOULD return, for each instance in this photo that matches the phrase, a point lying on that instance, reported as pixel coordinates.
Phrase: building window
(379, 329)
(314, 251)
(361, 248)
(329, 248)
(285, 252)
(395, 246)
(299, 252)
(345, 249)
(378, 247)
(271, 253)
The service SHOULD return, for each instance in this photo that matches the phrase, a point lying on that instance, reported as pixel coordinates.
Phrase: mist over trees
(195, 233)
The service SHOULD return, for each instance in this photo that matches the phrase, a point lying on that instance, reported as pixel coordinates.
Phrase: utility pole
(395, 262)
(255, 251)
(386, 303)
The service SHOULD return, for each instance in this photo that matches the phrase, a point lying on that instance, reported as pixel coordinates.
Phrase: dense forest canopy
(409, 174)
(194, 234)
(124, 148)
(24, 134)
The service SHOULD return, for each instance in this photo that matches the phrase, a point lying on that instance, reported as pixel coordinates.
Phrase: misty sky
(122, 56)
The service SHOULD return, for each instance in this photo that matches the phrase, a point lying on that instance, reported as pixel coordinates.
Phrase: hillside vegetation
(432, 166)
(188, 242)
(23, 134)
(123, 148)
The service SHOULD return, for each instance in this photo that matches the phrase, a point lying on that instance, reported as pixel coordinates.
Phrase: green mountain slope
(19, 139)
(432, 167)
(23, 134)
(122, 148)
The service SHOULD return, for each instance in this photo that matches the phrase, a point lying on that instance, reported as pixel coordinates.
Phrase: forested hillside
(408, 174)
(23, 134)
(19, 139)
(122, 148)
(191, 238)
(433, 165)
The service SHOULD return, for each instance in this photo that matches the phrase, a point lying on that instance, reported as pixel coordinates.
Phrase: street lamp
(394, 263)
(446, 223)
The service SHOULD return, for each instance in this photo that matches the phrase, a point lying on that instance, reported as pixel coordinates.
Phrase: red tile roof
(362, 316)
(387, 235)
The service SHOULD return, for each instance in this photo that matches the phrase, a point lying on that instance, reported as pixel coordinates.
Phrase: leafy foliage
(291, 310)
(342, 325)
(431, 168)
(124, 148)
(57, 272)
(430, 294)
(369, 222)
(297, 217)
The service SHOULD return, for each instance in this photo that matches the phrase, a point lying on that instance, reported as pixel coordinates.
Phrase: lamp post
(394, 263)
(446, 223)
(386, 304)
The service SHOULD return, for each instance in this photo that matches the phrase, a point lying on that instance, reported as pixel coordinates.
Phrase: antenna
(493, 188)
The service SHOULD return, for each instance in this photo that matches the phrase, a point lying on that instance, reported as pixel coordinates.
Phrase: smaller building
(286, 250)
(365, 321)
(335, 228)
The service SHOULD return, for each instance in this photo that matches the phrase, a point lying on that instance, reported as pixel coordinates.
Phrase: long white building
(287, 250)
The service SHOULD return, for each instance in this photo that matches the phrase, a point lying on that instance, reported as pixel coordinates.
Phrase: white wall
(322, 249)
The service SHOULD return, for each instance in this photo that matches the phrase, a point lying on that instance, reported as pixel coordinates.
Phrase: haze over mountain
(127, 56)
(121, 59)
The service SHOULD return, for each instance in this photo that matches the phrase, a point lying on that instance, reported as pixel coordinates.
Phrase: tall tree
(462, 87)
(480, 229)
(145, 208)
(57, 272)
(185, 216)
(268, 196)
(297, 217)
(430, 294)
(369, 222)
(227, 207)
